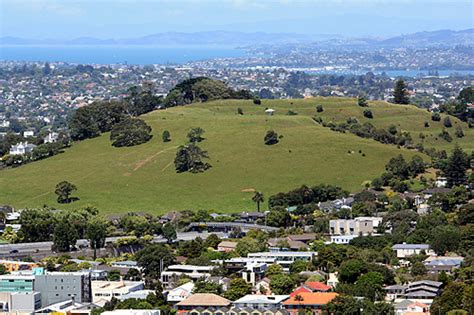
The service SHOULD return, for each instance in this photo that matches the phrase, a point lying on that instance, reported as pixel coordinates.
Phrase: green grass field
(142, 178)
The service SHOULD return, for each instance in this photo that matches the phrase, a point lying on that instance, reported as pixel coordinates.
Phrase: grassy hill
(142, 178)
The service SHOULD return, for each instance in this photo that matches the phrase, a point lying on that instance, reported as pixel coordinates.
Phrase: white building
(342, 239)
(405, 250)
(284, 259)
(51, 137)
(260, 302)
(132, 312)
(22, 148)
(103, 291)
(180, 293)
(28, 133)
(173, 272)
(356, 226)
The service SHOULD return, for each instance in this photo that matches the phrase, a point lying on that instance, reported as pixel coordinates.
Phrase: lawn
(142, 178)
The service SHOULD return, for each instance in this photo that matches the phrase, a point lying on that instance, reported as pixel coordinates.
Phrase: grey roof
(410, 246)
(403, 304)
(445, 262)
(426, 282)
(421, 294)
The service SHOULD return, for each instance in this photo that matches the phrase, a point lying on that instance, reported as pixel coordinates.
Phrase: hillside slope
(143, 178)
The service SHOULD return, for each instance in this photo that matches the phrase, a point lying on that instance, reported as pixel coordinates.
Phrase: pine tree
(458, 164)
(400, 95)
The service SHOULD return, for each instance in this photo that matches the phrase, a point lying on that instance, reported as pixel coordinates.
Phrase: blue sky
(133, 18)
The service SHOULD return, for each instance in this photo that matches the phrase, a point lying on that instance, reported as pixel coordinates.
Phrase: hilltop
(143, 178)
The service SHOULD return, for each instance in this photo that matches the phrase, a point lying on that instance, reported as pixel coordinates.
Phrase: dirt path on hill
(142, 163)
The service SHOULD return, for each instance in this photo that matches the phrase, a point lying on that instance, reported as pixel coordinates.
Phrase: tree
(278, 217)
(370, 285)
(64, 236)
(169, 232)
(248, 245)
(238, 288)
(281, 284)
(298, 266)
(368, 113)
(153, 259)
(257, 101)
(240, 111)
(400, 93)
(64, 190)
(189, 158)
(271, 138)
(166, 136)
(211, 241)
(447, 122)
(343, 304)
(377, 183)
(451, 299)
(130, 132)
(273, 269)
(459, 132)
(362, 101)
(319, 108)
(457, 165)
(258, 198)
(203, 286)
(96, 232)
(195, 135)
(435, 117)
(398, 167)
(418, 269)
(351, 269)
(445, 238)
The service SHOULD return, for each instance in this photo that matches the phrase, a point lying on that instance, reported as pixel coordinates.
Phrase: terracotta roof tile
(316, 298)
(204, 299)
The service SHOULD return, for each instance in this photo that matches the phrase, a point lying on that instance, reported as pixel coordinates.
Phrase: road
(44, 248)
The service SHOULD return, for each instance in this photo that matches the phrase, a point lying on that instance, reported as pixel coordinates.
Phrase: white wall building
(22, 148)
(356, 226)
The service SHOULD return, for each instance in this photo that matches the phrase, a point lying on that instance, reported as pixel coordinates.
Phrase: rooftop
(257, 299)
(205, 299)
(313, 298)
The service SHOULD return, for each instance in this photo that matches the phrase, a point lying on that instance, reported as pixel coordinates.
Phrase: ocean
(139, 55)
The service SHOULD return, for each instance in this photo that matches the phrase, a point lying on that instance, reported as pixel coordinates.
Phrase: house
(203, 303)
(173, 272)
(128, 264)
(356, 226)
(263, 286)
(336, 205)
(333, 280)
(103, 291)
(139, 294)
(308, 302)
(422, 291)
(226, 246)
(28, 133)
(67, 307)
(284, 259)
(276, 244)
(305, 237)
(311, 286)
(260, 302)
(251, 217)
(409, 307)
(51, 137)
(16, 265)
(22, 148)
(405, 250)
(342, 239)
(132, 312)
(438, 190)
(180, 293)
(434, 265)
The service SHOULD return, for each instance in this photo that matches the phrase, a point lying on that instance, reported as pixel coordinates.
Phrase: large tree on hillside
(130, 132)
(64, 190)
(189, 158)
(400, 93)
(456, 167)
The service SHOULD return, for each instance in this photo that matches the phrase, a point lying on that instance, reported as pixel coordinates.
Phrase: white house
(261, 302)
(28, 133)
(406, 250)
(103, 291)
(22, 148)
(342, 239)
(180, 293)
(51, 137)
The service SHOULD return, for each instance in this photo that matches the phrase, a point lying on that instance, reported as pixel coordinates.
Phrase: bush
(459, 132)
(319, 108)
(447, 122)
(362, 101)
(427, 124)
(271, 137)
(130, 132)
(257, 101)
(240, 111)
(291, 113)
(445, 135)
(166, 136)
(368, 114)
(435, 117)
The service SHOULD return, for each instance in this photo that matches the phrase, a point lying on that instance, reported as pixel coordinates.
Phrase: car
(14, 251)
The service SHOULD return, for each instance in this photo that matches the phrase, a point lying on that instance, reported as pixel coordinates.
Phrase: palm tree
(258, 198)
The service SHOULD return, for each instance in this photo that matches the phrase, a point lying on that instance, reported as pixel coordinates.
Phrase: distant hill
(225, 38)
(143, 178)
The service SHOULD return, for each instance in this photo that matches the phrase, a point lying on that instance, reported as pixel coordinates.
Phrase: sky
(65, 19)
